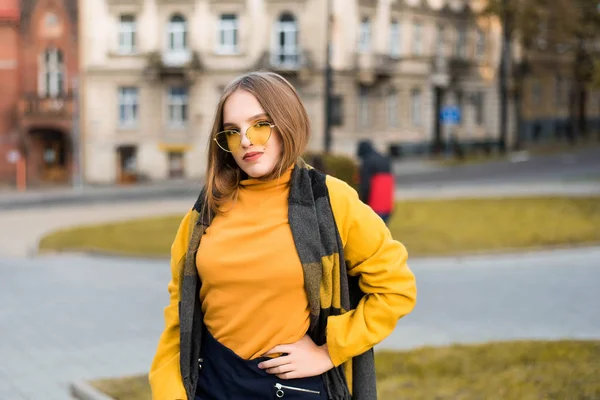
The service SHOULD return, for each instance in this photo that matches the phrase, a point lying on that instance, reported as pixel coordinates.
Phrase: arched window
(177, 35)
(286, 51)
(127, 28)
(51, 77)
(395, 38)
(364, 36)
(50, 19)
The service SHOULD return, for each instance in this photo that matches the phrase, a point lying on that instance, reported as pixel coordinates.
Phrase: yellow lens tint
(259, 133)
(229, 140)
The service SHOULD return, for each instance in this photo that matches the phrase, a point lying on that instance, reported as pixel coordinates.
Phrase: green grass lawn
(508, 371)
(433, 227)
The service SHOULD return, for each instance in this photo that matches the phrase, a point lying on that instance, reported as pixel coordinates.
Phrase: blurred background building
(154, 71)
(9, 87)
(132, 90)
(38, 66)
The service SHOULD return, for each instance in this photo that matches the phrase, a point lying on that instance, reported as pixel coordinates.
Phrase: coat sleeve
(165, 376)
(380, 263)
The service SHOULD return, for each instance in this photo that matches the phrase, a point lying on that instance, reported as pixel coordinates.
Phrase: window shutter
(41, 83)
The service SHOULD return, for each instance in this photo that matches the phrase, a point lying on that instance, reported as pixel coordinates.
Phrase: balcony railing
(182, 63)
(285, 62)
(32, 105)
(371, 66)
(179, 58)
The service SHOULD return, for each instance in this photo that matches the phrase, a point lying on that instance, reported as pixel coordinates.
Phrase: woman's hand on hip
(303, 359)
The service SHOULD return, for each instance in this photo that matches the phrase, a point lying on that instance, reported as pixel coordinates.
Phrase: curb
(83, 391)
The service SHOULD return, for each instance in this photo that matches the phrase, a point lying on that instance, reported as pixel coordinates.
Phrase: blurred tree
(522, 22)
(547, 26)
(581, 29)
(596, 83)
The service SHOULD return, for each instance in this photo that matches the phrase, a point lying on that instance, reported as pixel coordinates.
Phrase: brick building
(9, 87)
(48, 69)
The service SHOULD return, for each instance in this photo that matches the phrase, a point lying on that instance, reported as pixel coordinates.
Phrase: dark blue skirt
(225, 376)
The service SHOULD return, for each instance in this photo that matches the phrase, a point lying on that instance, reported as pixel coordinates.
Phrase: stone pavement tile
(12, 394)
(5, 385)
(69, 371)
(41, 388)
(20, 366)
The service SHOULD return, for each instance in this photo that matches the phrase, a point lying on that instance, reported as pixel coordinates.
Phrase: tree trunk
(582, 111)
(503, 81)
(518, 145)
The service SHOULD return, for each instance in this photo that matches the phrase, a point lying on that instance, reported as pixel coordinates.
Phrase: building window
(364, 36)
(127, 34)
(479, 105)
(559, 90)
(337, 110)
(51, 19)
(417, 38)
(177, 34)
(439, 46)
(363, 107)
(416, 109)
(178, 106)
(392, 108)
(536, 94)
(51, 78)
(176, 164)
(395, 38)
(461, 42)
(286, 51)
(480, 45)
(128, 107)
(228, 34)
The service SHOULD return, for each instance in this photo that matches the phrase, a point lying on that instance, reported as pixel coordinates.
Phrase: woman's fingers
(280, 370)
(275, 362)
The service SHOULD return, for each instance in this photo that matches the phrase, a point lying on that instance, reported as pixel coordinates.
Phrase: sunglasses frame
(271, 126)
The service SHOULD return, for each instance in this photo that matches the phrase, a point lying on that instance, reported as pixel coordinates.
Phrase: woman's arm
(379, 262)
(165, 376)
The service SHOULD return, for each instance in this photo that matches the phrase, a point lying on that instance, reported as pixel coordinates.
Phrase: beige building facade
(153, 72)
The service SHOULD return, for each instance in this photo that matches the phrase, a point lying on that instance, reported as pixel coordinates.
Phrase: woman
(282, 279)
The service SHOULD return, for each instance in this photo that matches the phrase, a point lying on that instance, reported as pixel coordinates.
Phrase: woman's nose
(245, 141)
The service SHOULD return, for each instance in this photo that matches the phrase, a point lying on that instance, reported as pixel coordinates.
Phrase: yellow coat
(371, 254)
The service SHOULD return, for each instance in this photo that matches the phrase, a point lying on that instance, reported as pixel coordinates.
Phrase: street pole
(75, 139)
(328, 83)
(503, 81)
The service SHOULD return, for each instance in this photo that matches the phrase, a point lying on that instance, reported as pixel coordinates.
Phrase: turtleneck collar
(258, 184)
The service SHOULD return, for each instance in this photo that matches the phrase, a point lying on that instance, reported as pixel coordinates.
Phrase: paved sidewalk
(21, 230)
(11, 200)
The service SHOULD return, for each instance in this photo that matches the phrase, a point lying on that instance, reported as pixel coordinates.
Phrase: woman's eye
(263, 123)
(231, 133)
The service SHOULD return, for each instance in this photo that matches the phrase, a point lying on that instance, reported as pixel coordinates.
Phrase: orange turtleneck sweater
(251, 246)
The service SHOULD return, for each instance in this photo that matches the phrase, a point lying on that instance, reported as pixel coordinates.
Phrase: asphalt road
(69, 317)
(571, 166)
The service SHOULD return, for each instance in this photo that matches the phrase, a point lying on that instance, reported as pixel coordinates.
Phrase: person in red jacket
(376, 180)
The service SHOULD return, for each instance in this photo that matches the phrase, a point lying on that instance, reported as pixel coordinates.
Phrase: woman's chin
(256, 171)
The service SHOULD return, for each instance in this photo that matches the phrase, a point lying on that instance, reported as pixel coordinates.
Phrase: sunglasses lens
(228, 140)
(259, 134)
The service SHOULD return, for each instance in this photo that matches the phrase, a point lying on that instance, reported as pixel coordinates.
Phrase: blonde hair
(281, 102)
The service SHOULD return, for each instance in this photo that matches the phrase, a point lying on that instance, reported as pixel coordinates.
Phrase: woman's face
(240, 112)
